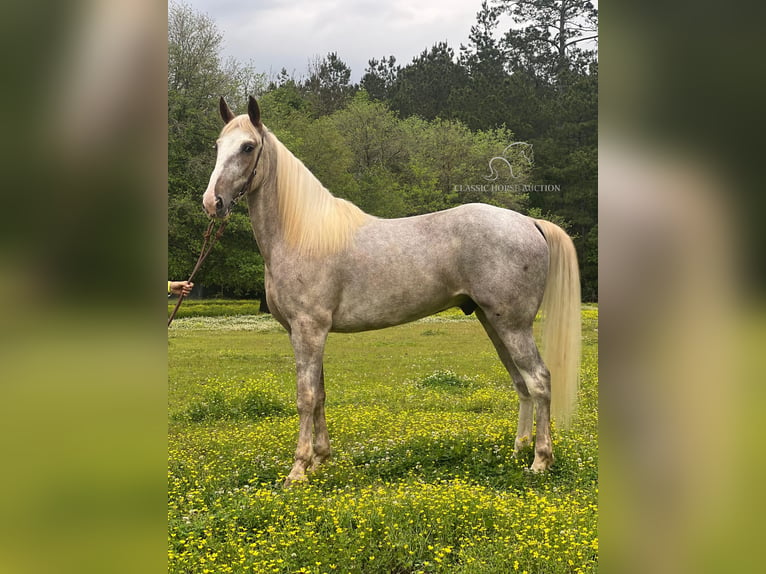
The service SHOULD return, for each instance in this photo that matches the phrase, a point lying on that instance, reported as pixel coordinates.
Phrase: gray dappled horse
(331, 267)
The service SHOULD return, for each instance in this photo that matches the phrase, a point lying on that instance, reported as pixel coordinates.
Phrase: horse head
(239, 148)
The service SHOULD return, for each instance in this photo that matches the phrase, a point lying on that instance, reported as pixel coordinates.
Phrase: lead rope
(207, 247)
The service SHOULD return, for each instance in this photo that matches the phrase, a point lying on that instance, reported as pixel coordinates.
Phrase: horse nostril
(218, 202)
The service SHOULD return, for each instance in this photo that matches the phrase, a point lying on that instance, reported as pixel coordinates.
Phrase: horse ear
(254, 112)
(226, 113)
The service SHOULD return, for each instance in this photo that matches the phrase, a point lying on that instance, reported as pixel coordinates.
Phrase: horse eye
(247, 148)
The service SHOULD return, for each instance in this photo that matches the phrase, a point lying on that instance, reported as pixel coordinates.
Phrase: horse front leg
(321, 436)
(308, 342)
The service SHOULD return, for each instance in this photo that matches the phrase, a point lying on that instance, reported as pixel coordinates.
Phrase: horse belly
(379, 314)
(379, 300)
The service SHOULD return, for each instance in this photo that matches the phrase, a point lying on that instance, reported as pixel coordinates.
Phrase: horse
(331, 267)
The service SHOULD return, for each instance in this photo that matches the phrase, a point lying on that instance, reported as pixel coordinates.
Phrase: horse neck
(292, 210)
(263, 208)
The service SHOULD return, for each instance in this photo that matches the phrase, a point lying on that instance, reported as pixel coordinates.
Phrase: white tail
(560, 311)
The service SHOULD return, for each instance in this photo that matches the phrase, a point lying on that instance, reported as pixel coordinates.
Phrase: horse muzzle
(220, 210)
(214, 206)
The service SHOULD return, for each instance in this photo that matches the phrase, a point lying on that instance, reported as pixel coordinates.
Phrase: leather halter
(246, 186)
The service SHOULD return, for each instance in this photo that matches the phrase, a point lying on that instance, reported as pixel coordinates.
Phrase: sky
(276, 34)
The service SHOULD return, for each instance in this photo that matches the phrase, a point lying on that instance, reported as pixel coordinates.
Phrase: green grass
(214, 307)
(422, 420)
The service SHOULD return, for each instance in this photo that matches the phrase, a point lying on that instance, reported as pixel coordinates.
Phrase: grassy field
(422, 420)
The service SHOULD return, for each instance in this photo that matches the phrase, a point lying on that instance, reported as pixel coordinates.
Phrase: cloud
(280, 34)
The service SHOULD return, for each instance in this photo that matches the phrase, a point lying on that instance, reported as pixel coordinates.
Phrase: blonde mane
(313, 220)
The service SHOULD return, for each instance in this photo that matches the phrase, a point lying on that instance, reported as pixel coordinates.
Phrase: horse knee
(306, 402)
(538, 387)
(540, 392)
(536, 377)
(522, 390)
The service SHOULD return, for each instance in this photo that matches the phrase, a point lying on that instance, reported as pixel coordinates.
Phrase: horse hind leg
(516, 347)
(526, 405)
(521, 345)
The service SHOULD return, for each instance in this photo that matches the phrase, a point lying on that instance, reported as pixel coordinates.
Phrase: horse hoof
(294, 480)
(317, 463)
(539, 466)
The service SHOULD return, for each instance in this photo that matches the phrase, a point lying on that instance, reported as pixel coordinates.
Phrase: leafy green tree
(484, 102)
(567, 156)
(454, 158)
(287, 113)
(193, 75)
(379, 78)
(234, 268)
(194, 44)
(196, 79)
(424, 87)
(549, 33)
(549, 98)
(328, 87)
(373, 132)
(381, 193)
(325, 152)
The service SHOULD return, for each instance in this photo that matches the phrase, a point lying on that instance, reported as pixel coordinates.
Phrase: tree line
(406, 139)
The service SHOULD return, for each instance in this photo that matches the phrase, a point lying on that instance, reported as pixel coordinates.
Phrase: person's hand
(181, 287)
